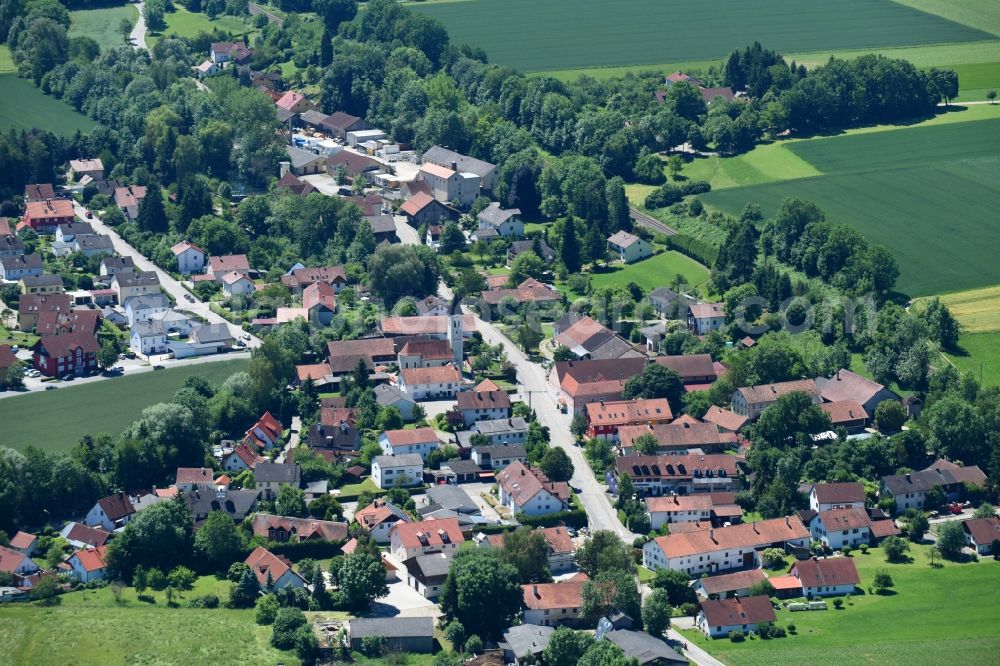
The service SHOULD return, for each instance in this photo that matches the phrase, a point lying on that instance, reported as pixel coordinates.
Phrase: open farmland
(105, 406)
(977, 310)
(101, 25)
(572, 34)
(926, 193)
(933, 616)
(23, 106)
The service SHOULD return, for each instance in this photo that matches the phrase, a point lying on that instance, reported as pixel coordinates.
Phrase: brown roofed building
(846, 495)
(67, 353)
(982, 533)
(717, 619)
(352, 163)
(273, 572)
(339, 124)
(827, 576)
(750, 401)
(428, 536)
(528, 291)
(553, 604)
(736, 584)
(847, 385)
(674, 437)
(692, 368)
(605, 418)
(422, 208)
(846, 414)
(529, 491)
(46, 216)
(39, 192)
(578, 383)
(296, 530)
(727, 420)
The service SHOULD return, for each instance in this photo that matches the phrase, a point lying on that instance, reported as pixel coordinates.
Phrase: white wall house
(441, 383)
(190, 258)
(528, 491)
(628, 247)
(148, 337)
(398, 471)
(841, 527)
(419, 441)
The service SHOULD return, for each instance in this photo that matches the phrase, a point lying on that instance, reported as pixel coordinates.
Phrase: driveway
(138, 36)
(167, 282)
(293, 439)
(404, 601)
(690, 650)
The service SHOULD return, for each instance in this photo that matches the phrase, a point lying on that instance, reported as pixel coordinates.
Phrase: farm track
(651, 223)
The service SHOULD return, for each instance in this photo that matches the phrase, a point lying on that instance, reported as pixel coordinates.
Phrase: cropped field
(982, 14)
(572, 34)
(102, 24)
(976, 79)
(981, 357)
(23, 106)
(106, 406)
(934, 616)
(978, 310)
(926, 193)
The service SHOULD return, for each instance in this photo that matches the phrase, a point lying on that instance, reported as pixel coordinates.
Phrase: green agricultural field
(6, 62)
(977, 310)
(573, 34)
(656, 271)
(926, 193)
(23, 106)
(981, 357)
(101, 25)
(934, 616)
(88, 627)
(976, 79)
(106, 406)
(187, 24)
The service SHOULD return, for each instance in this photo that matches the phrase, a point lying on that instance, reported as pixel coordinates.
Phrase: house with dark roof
(718, 618)
(750, 401)
(237, 504)
(450, 159)
(525, 643)
(269, 477)
(399, 634)
(504, 222)
(293, 184)
(79, 535)
(303, 162)
(402, 470)
(426, 573)
(7, 361)
(644, 649)
(16, 267)
(111, 512)
(391, 396)
(483, 406)
(338, 124)
(828, 496)
(845, 385)
(39, 192)
(981, 533)
(909, 490)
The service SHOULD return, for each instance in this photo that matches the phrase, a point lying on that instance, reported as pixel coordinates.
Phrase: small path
(293, 439)
(138, 36)
(690, 650)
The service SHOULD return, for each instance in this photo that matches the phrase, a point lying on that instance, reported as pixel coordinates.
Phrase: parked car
(955, 508)
(189, 298)
(51, 388)
(159, 367)
(90, 214)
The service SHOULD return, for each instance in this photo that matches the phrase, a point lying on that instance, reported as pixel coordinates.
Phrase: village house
(392, 396)
(524, 644)
(554, 604)
(576, 384)
(298, 279)
(18, 267)
(750, 401)
(343, 355)
(92, 246)
(498, 456)
(724, 548)
(449, 158)
(677, 437)
(718, 618)
(230, 263)
(148, 338)
(846, 414)
(504, 222)
(8, 360)
(588, 339)
(398, 634)
(10, 245)
(111, 512)
(605, 418)
(265, 433)
(439, 383)
(273, 572)
(847, 385)
(240, 459)
(628, 248)
(496, 431)
(113, 265)
(16, 563)
(294, 185)
(483, 405)
(724, 586)
(425, 354)
(426, 573)
(41, 284)
(269, 477)
(190, 258)
(206, 68)
(88, 564)
(237, 504)
(194, 478)
(529, 491)
(145, 308)
(683, 474)
(826, 576)
(726, 420)
(237, 284)
(223, 52)
(697, 371)
(909, 490)
(398, 471)
(39, 192)
(378, 519)
(420, 441)
(448, 185)
(528, 291)
(296, 530)
(23, 542)
(66, 354)
(79, 535)
(352, 164)
(46, 216)
(302, 162)
(338, 124)
(539, 246)
(837, 528)
(129, 284)
(336, 430)
(829, 496)
(981, 533)
(129, 199)
(423, 208)
(32, 306)
(67, 233)
(407, 540)
(92, 167)
(703, 318)
(561, 549)
(714, 508)
(294, 102)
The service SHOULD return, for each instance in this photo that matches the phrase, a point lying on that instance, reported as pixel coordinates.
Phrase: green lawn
(573, 34)
(656, 271)
(88, 627)
(23, 106)
(925, 192)
(9, 337)
(976, 79)
(102, 24)
(56, 420)
(6, 62)
(188, 24)
(936, 616)
(352, 491)
(982, 356)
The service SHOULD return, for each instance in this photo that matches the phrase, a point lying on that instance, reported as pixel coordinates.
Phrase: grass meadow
(573, 34)
(945, 615)
(925, 192)
(183, 23)
(981, 356)
(102, 24)
(6, 62)
(56, 420)
(23, 106)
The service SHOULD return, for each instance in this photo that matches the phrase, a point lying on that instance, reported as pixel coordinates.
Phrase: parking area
(404, 601)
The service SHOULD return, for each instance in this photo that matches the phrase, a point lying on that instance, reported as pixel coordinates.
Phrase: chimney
(711, 535)
(908, 478)
(454, 166)
(787, 522)
(753, 526)
(283, 168)
(534, 589)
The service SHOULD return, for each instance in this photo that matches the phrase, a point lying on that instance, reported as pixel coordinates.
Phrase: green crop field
(926, 193)
(56, 420)
(102, 24)
(23, 106)
(981, 356)
(183, 23)
(656, 271)
(571, 34)
(944, 615)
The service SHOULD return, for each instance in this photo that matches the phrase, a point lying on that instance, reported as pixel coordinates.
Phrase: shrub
(266, 609)
(372, 646)
(455, 633)
(846, 550)
(791, 627)
(474, 644)
(838, 603)
(894, 548)
(286, 623)
(737, 636)
(688, 609)
(864, 549)
(207, 601)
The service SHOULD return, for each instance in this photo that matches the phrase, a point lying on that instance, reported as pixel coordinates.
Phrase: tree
(525, 265)
(125, 27)
(291, 501)
(619, 217)
(676, 584)
(895, 548)
(529, 337)
(306, 645)
(266, 609)
(944, 83)
(991, 96)
(656, 613)
(46, 591)
(941, 324)
(604, 551)
(773, 557)
(557, 465)
(655, 381)
(452, 238)
(611, 590)
(605, 653)
(985, 510)
(108, 355)
(890, 416)
(882, 581)
(181, 578)
(286, 623)
(675, 164)
(762, 588)
(526, 550)
(361, 579)
(160, 536)
(646, 444)
(917, 525)
(219, 541)
(566, 647)
(578, 425)
(482, 592)
(335, 12)
(403, 270)
(951, 539)
(569, 247)
(152, 217)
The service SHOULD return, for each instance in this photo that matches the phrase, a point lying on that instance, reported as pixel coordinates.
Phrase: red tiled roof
(10, 560)
(22, 540)
(771, 392)
(290, 99)
(7, 357)
(550, 596)
(483, 400)
(91, 559)
(433, 350)
(303, 529)
(377, 513)
(411, 437)
(228, 263)
(529, 291)
(678, 467)
(982, 530)
(724, 418)
(444, 374)
(558, 539)
(839, 493)
(740, 580)
(262, 562)
(627, 412)
(319, 293)
(674, 435)
(314, 371)
(523, 483)
(707, 310)
(747, 535)
(435, 533)
(730, 612)
(194, 475)
(50, 209)
(416, 203)
(830, 571)
(116, 506)
(65, 344)
(844, 411)
(94, 536)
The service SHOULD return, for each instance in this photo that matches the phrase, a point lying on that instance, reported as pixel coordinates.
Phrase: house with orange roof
(605, 418)
(190, 258)
(273, 572)
(265, 433)
(438, 383)
(725, 419)
(294, 102)
(576, 384)
(553, 604)
(715, 508)
(46, 216)
(191, 478)
(408, 540)
(24, 542)
(561, 548)
(88, 563)
(16, 563)
(243, 457)
(826, 576)
(420, 441)
(423, 208)
(379, 517)
(528, 491)
(718, 618)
